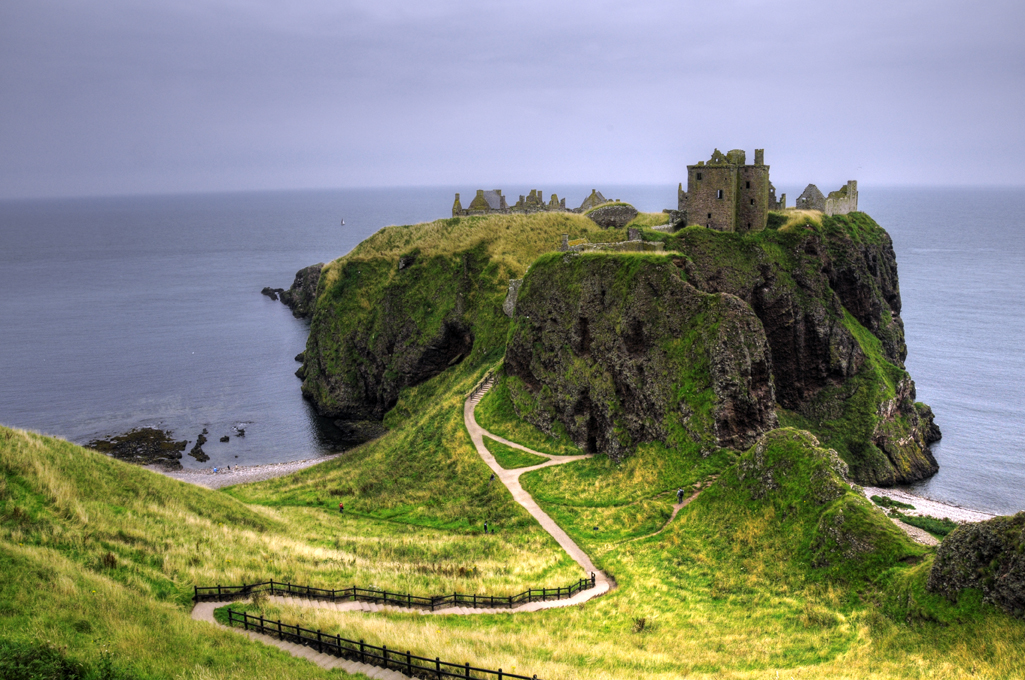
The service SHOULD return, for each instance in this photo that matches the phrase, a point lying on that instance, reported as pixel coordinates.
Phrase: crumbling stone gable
(592, 201)
(811, 199)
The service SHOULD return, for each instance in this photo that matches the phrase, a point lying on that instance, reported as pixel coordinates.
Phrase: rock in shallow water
(145, 446)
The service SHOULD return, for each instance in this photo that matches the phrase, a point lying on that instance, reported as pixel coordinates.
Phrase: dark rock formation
(145, 446)
(302, 296)
(272, 293)
(384, 329)
(613, 215)
(197, 450)
(608, 358)
(225, 438)
(989, 556)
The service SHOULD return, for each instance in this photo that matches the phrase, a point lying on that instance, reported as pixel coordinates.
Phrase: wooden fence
(357, 594)
(356, 650)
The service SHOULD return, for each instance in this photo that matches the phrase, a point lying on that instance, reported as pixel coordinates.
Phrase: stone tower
(726, 194)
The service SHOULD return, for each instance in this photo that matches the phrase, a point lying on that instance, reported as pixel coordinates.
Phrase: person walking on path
(341, 507)
(679, 495)
(492, 478)
(485, 526)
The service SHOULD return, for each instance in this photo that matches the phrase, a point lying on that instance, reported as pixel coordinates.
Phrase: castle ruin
(839, 202)
(727, 194)
(493, 202)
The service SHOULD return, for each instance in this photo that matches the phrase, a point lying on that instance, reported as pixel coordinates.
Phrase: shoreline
(927, 507)
(243, 474)
(238, 474)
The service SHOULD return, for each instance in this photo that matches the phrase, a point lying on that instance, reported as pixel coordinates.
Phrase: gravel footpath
(925, 507)
(239, 474)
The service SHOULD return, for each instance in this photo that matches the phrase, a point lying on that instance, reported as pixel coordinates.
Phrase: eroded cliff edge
(717, 341)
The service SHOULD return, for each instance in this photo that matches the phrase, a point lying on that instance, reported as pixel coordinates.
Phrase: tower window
(709, 215)
(699, 175)
(752, 201)
(718, 194)
(748, 185)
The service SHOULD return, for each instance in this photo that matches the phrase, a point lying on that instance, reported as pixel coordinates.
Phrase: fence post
(409, 600)
(320, 645)
(409, 662)
(196, 595)
(467, 669)
(475, 600)
(499, 674)
(362, 654)
(437, 666)
(218, 590)
(384, 653)
(280, 635)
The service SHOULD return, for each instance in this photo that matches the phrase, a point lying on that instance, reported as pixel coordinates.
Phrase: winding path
(204, 611)
(511, 479)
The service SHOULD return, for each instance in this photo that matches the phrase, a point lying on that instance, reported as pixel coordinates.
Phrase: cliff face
(302, 296)
(822, 299)
(381, 329)
(622, 350)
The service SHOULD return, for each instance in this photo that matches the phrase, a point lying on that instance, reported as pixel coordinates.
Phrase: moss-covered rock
(988, 556)
(804, 488)
(621, 349)
(612, 215)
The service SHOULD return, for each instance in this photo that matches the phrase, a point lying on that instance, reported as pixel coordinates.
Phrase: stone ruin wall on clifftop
(494, 203)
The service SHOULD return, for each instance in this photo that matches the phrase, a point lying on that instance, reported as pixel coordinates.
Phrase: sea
(145, 311)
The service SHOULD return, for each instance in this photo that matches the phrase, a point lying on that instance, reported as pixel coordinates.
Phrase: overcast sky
(120, 97)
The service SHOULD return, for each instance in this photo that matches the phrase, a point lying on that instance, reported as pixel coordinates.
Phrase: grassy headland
(776, 568)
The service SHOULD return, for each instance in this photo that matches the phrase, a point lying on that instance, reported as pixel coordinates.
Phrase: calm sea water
(118, 313)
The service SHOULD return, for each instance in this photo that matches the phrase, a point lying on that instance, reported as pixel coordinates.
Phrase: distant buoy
(343, 223)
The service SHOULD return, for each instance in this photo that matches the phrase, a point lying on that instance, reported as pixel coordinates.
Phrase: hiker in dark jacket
(679, 496)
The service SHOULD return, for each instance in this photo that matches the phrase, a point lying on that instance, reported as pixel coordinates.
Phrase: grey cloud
(178, 96)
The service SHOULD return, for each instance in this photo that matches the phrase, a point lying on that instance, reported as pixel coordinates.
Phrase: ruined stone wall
(844, 200)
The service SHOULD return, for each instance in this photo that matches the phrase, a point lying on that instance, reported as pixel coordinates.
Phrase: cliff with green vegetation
(410, 302)
(711, 344)
(807, 320)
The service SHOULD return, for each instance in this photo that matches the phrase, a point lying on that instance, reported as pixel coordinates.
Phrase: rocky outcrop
(620, 359)
(989, 556)
(811, 290)
(145, 446)
(384, 329)
(612, 215)
(302, 296)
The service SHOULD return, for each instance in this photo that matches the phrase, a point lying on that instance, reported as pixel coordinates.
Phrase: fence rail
(357, 594)
(357, 650)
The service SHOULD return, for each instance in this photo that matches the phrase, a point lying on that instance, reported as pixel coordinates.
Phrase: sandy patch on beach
(926, 507)
(239, 474)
